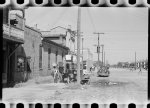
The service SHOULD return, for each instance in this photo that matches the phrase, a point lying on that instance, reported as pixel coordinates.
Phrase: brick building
(29, 52)
(39, 53)
(51, 52)
(26, 53)
(63, 36)
(13, 38)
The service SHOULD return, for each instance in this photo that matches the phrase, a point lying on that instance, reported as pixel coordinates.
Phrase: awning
(13, 39)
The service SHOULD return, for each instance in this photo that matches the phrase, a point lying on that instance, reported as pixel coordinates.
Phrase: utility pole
(102, 54)
(82, 52)
(104, 58)
(78, 44)
(98, 46)
(9, 21)
(69, 26)
(135, 60)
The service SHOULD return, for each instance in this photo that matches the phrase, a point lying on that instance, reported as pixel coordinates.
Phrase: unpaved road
(122, 86)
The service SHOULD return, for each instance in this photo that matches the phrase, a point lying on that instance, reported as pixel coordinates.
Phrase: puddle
(107, 83)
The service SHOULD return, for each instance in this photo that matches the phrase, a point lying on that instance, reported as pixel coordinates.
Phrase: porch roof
(54, 43)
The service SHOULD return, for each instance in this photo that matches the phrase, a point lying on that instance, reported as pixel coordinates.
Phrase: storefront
(9, 59)
(13, 37)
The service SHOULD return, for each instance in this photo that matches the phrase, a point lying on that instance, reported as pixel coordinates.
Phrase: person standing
(140, 71)
(55, 73)
(61, 71)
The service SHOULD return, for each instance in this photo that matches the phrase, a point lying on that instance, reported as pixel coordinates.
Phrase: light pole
(70, 38)
(98, 47)
(135, 60)
(78, 44)
(102, 53)
(82, 52)
(104, 58)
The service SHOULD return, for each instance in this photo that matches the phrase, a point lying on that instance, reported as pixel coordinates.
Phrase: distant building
(142, 64)
(123, 64)
(62, 36)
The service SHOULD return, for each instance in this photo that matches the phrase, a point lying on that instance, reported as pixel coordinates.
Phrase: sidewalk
(35, 81)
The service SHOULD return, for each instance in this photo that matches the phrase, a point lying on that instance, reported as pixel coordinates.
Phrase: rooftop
(55, 32)
(54, 43)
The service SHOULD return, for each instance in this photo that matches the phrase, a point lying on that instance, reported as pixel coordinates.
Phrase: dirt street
(122, 86)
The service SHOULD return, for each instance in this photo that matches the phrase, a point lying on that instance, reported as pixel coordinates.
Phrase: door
(11, 66)
(4, 73)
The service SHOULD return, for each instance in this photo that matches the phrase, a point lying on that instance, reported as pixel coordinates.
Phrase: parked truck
(103, 71)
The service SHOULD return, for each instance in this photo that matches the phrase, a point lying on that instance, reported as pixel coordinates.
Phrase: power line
(60, 16)
(98, 46)
(90, 16)
(78, 44)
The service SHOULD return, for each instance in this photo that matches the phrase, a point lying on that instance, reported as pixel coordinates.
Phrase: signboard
(98, 49)
(69, 58)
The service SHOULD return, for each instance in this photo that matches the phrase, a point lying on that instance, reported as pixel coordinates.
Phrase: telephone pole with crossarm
(98, 46)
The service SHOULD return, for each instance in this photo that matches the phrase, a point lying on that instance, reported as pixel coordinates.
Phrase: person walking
(140, 71)
(55, 73)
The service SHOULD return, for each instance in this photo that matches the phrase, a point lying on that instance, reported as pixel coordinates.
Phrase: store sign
(69, 58)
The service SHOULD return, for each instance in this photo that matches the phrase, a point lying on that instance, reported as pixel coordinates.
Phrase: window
(40, 56)
(49, 51)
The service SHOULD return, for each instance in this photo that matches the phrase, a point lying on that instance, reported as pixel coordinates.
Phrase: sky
(125, 29)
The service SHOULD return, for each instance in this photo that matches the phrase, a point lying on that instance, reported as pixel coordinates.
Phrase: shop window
(40, 56)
